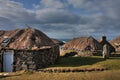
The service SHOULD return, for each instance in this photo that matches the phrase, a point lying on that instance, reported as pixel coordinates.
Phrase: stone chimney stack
(103, 38)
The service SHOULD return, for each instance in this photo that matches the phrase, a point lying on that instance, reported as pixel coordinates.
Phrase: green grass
(77, 61)
(112, 64)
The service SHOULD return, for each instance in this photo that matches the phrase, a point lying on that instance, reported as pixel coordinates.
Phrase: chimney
(103, 38)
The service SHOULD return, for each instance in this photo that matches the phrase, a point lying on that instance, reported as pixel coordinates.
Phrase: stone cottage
(104, 41)
(82, 46)
(116, 43)
(26, 49)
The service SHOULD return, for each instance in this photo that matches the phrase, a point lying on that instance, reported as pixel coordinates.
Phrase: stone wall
(0, 61)
(34, 59)
(67, 53)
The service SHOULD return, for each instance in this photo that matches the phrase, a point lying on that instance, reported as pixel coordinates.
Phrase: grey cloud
(87, 4)
(4, 23)
(101, 16)
(16, 13)
(52, 3)
(57, 16)
(76, 3)
(59, 30)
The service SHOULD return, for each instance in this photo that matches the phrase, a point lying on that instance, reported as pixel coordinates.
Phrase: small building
(104, 41)
(26, 49)
(81, 46)
(116, 43)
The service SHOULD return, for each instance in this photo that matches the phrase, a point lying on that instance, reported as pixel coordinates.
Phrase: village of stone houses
(59, 39)
(29, 54)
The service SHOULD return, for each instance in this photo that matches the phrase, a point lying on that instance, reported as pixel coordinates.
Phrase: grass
(88, 62)
(77, 61)
(105, 75)
(112, 64)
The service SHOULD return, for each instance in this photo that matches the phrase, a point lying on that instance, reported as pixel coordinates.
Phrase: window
(5, 42)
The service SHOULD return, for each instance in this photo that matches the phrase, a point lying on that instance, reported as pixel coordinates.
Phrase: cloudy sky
(63, 18)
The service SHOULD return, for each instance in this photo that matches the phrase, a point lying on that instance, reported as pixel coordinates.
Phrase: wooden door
(8, 61)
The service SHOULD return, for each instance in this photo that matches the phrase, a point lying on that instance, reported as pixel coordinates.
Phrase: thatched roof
(116, 43)
(56, 41)
(83, 44)
(24, 38)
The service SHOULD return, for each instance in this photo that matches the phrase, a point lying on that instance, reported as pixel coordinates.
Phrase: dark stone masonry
(33, 59)
(26, 49)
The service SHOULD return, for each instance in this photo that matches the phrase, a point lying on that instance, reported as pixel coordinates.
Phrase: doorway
(8, 61)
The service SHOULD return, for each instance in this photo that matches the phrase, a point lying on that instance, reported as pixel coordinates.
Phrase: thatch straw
(25, 38)
(83, 46)
(116, 43)
(82, 43)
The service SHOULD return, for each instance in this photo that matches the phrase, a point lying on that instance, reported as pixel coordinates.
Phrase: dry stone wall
(34, 59)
